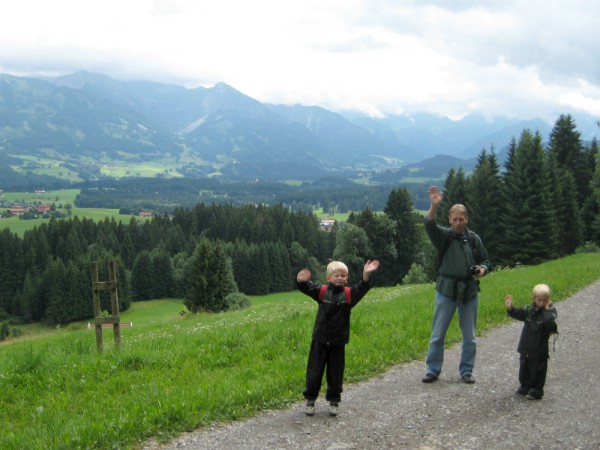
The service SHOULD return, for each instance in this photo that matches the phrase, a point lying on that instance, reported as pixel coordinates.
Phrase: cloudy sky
(515, 58)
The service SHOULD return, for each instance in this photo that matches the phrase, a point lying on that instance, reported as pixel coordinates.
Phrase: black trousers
(320, 357)
(532, 374)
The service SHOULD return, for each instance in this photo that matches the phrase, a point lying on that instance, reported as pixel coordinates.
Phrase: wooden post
(114, 319)
(97, 310)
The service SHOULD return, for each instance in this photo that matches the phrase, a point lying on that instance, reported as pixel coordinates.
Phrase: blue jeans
(445, 308)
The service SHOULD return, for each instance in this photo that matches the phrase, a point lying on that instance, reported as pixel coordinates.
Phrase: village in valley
(30, 209)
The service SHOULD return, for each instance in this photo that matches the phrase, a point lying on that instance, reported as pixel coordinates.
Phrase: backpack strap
(448, 241)
(347, 293)
(322, 292)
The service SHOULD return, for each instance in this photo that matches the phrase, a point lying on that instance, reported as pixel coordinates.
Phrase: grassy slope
(175, 373)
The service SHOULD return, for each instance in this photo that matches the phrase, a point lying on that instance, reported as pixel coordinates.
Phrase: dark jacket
(539, 324)
(332, 324)
(453, 280)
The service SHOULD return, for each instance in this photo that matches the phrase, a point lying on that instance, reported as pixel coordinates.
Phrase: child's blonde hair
(541, 290)
(335, 266)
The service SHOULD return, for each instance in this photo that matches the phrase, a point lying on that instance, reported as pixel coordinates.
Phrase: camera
(473, 270)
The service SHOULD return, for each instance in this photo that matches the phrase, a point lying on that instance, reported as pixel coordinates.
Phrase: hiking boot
(333, 409)
(309, 409)
(468, 378)
(429, 378)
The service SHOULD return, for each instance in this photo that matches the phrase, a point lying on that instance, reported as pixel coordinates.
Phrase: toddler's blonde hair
(335, 266)
(541, 290)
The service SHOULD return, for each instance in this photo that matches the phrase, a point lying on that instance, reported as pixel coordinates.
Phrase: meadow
(175, 372)
(59, 198)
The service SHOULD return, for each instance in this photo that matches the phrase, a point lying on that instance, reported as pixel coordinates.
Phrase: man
(463, 260)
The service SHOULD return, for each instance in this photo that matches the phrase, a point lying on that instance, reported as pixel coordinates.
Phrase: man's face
(458, 221)
(339, 278)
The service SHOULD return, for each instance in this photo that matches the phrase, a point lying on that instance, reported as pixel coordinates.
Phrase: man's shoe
(429, 378)
(309, 409)
(333, 409)
(521, 391)
(468, 378)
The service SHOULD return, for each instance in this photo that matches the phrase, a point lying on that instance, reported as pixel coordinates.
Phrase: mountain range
(84, 119)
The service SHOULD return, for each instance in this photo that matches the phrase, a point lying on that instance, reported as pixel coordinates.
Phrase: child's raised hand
(508, 301)
(303, 276)
(371, 266)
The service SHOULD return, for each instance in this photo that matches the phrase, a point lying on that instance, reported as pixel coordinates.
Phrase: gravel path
(397, 410)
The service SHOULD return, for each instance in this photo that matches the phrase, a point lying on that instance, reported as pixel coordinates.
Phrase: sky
(511, 58)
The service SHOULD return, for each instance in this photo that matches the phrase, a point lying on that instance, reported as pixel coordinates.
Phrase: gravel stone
(397, 411)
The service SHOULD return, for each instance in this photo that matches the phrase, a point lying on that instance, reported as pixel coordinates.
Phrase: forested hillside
(543, 205)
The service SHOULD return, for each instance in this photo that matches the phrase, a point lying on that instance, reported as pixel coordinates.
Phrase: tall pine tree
(486, 201)
(530, 233)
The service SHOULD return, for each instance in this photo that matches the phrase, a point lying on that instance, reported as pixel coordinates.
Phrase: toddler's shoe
(309, 409)
(522, 391)
(333, 409)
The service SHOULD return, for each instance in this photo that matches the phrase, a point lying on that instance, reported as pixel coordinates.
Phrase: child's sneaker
(522, 391)
(333, 409)
(309, 409)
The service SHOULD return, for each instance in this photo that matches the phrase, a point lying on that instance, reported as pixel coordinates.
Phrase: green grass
(60, 197)
(340, 217)
(121, 169)
(174, 373)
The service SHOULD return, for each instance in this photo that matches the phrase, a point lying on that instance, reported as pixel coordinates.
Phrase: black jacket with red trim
(332, 324)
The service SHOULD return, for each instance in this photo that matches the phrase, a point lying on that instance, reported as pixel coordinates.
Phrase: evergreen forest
(541, 205)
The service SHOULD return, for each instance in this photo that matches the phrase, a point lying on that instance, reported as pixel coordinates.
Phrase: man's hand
(435, 195)
(508, 302)
(482, 272)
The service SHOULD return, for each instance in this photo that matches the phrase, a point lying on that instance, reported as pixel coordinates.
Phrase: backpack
(347, 293)
(472, 242)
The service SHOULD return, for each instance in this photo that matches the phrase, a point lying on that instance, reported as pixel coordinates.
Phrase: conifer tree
(58, 307)
(455, 190)
(162, 273)
(594, 225)
(486, 201)
(142, 282)
(569, 223)
(400, 209)
(530, 233)
(382, 234)
(353, 249)
(209, 278)
(11, 268)
(590, 208)
(566, 146)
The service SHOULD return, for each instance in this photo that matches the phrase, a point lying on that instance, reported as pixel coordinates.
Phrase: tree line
(165, 195)
(544, 204)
